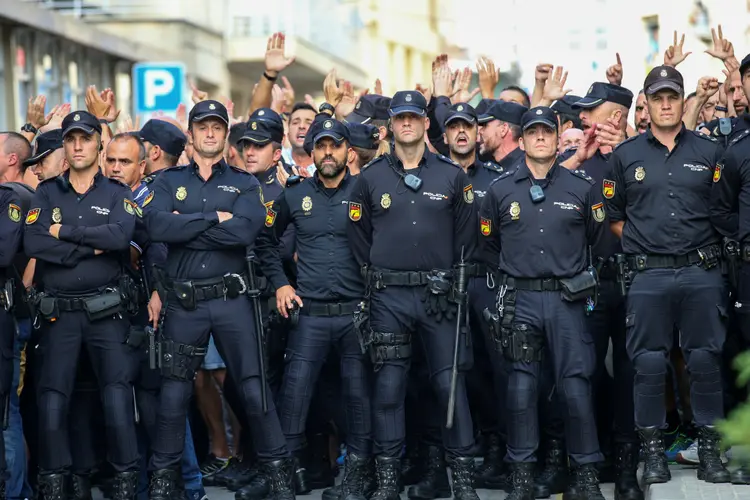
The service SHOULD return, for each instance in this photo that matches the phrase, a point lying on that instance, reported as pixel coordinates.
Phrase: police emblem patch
(261, 113)
(14, 212)
(538, 111)
(663, 73)
(56, 215)
(328, 124)
(717, 172)
(385, 201)
(77, 118)
(469, 194)
(640, 173)
(270, 217)
(130, 206)
(181, 193)
(608, 189)
(485, 226)
(33, 215)
(598, 211)
(355, 211)
(459, 107)
(407, 98)
(148, 198)
(306, 203)
(211, 107)
(515, 211)
(254, 126)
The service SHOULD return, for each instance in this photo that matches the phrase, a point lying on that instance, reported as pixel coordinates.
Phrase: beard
(329, 170)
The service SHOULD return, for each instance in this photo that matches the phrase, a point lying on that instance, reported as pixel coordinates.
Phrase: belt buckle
(334, 309)
(546, 281)
(377, 280)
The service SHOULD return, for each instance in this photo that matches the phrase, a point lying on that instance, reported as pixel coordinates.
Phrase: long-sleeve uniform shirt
(730, 196)
(102, 218)
(11, 230)
(482, 175)
(663, 196)
(393, 227)
(272, 189)
(549, 239)
(327, 270)
(199, 246)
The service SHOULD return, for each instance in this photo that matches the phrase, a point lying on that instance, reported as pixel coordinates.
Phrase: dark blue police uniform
(663, 198)
(534, 265)
(83, 304)
(392, 232)
(332, 288)
(207, 280)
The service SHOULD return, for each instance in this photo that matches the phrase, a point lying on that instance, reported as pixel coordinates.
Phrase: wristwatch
(327, 108)
(721, 108)
(28, 127)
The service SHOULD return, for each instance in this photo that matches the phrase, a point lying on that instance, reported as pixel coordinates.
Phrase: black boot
(655, 467)
(258, 487)
(412, 466)
(53, 487)
(388, 470)
(522, 479)
(554, 477)
(280, 479)
(126, 486)
(710, 469)
(319, 472)
(164, 484)
(81, 486)
(462, 472)
(741, 475)
(221, 477)
(585, 485)
(434, 483)
(626, 466)
(491, 474)
(300, 477)
(244, 473)
(354, 485)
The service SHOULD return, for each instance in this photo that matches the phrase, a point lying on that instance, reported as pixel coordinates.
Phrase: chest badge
(640, 174)
(717, 172)
(608, 189)
(306, 203)
(181, 193)
(14, 212)
(56, 215)
(385, 201)
(515, 211)
(469, 194)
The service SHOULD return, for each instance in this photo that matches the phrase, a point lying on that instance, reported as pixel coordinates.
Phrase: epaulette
(374, 160)
(629, 139)
(706, 137)
(176, 168)
(583, 175)
(741, 136)
(492, 167)
(504, 175)
(448, 160)
(149, 178)
(119, 183)
(239, 170)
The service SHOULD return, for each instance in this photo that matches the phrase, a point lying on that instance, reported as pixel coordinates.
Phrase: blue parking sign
(157, 87)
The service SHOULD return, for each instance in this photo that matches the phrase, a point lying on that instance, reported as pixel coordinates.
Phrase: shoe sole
(438, 494)
(657, 480)
(702, 476)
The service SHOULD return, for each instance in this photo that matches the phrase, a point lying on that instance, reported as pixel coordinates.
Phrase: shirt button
(203, 266)
(330, 253)
(204, 200)
(671, 194)
(666, 155)
(541, 230)
(672, 214)
(415, 223)
(541, 210)
(541, 251)
(80, 216)
(412, 201)
(670, 173)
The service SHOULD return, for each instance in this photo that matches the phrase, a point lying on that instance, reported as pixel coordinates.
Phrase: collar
(267, 177)
(220, 166)
(680, 135)
(64, 180)
(318, 184)
(511, 159)
(423, 162)
(523, 172)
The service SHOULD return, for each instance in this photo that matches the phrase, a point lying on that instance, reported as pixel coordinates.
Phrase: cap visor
(461, 116)
(83, 128)
(543, 121)
(485, 118)
(667, 84)
(356, 118)
(407, 109)
(336, 137)
(36, 158)
(257, 139)
(200, 118)
(587, 102)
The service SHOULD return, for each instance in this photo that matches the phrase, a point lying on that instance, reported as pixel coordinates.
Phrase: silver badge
(407, 98)
(359, 103)
(328, 124)
(261, 113)
(539, 111)
(459, 108)
(663, 73)
(77, 118)
(591, 89)
(211, 106)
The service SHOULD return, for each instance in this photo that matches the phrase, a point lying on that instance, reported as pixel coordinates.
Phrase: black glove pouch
(48, 309)
(103, 306)
(579, 287)
(185, 293)
(136, 336)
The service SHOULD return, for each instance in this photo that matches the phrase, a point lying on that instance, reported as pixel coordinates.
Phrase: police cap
(510, 112)
(461, 111)
(408, 101)
(45, 144)
(81, 120)
(363, 135)
(166, 135)
(663, 77)
(209, 109)
(539, 114)
(600, 93)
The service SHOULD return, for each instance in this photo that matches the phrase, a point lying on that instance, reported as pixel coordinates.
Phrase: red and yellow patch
(148, 198)
(717, 172)
(270, 217)
(608, 189)
(485, 226)
(33, 215)
(355, 211)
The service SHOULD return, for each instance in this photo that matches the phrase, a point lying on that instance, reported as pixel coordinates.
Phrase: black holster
(522, 344)
(624, 274)
(579, 287)
(732, 261)
(103, 306)
(362, 324)
(180, 361)
(384, 346)
(185, 293)
(7, 299)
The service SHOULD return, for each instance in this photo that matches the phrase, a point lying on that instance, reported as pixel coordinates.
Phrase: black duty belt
(476, 270)
(399, 278)
(534, 284)
(320, 308)
(211, 288)
(69, 302)
(608, 271)
(642, 262)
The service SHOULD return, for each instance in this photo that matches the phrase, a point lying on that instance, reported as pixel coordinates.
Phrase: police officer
(364, 140)
(11, 233)
(604, 105)
(48, 159)
(164, 143)
(208, 213)
(660, 185)
(327, 298)
(78, 228)
(544, 290)
(499, 131)
(396, 204)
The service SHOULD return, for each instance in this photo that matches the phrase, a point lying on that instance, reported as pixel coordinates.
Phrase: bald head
(14, 150)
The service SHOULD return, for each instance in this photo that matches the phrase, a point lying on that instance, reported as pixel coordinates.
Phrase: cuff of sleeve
(137, 247)
(65, 233)
(278, 281)
(212, 217)
(615, 217)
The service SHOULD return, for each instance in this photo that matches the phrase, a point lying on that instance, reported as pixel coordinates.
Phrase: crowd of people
(530, 295)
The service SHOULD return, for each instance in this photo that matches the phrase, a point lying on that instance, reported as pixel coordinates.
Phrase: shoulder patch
(504, 175)
(239, 170)
(447, 160)
(626, 141)
(582, 174)
(149, 178)
(706, 137)
(371, 162)
(742, 135)
(118, 183)
(492, 167)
